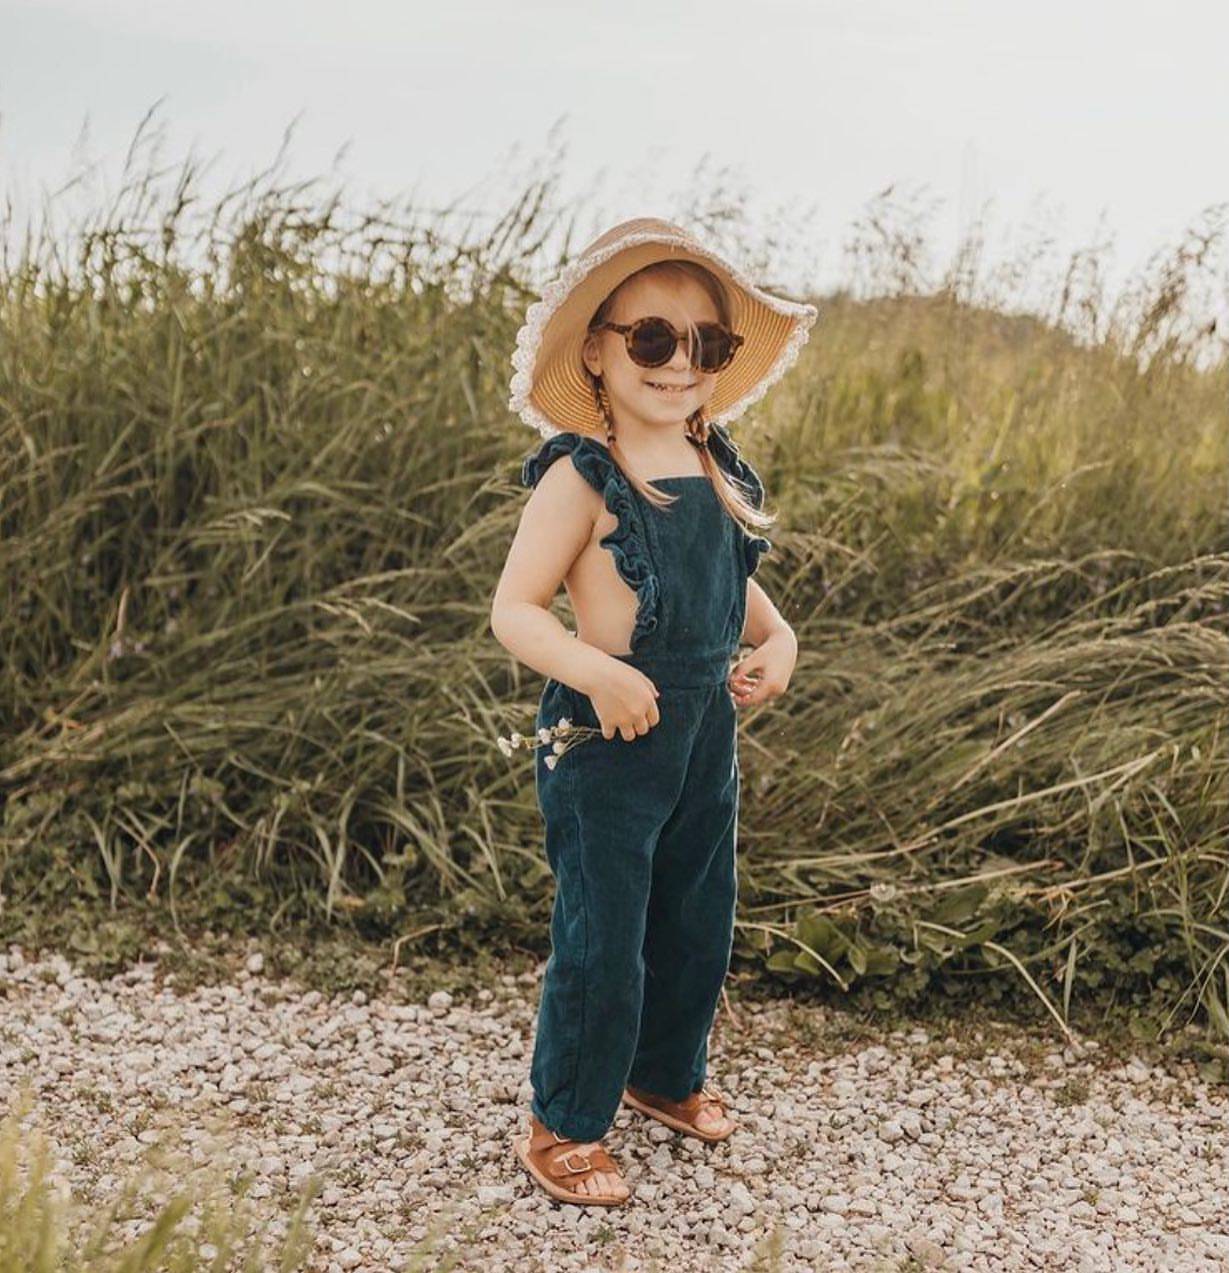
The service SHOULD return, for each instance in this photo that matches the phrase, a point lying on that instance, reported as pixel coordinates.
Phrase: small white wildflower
(559, 748)
(505, 746)
(564, 724)
(544, 734)
(516, 739)
(551, 761)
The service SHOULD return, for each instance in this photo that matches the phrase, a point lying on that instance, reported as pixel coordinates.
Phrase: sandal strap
(573, 1156)
(571, 1161)
(544, 1138)
(690, 1105)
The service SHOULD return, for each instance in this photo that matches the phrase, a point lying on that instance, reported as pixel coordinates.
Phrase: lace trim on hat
(539, 314)
(725, 451)
(626, 542)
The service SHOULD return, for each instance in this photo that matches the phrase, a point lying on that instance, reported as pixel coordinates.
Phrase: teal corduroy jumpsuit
(641, 835)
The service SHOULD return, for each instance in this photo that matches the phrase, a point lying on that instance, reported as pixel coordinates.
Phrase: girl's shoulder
(589, 457)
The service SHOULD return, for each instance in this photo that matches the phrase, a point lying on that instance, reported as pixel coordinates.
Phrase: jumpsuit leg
(604, 806)
(690, 925)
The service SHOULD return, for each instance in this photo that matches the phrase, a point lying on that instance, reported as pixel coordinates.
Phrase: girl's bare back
(602, 601)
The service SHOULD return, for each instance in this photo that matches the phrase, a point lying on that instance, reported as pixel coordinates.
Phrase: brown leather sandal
(681, 1115)
(551, 1158)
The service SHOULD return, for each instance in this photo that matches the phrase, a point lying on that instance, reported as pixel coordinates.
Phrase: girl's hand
(624, 701)
(764, 674)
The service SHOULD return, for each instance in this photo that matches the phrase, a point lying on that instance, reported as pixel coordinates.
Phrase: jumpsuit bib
(641, 836)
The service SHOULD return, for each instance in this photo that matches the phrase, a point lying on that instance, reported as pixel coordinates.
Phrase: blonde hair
(735, 502)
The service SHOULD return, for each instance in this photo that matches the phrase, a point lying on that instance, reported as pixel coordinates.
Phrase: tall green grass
(257, 479)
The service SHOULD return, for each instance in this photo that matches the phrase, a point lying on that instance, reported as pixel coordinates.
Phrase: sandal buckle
(575, 1153)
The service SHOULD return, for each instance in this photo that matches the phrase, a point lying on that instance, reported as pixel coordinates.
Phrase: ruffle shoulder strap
(725, 452)
(627, 542)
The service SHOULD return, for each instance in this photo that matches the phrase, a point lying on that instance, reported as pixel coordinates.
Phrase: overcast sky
(1098, 119)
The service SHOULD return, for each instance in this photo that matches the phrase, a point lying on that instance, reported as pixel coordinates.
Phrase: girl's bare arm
(557, 522)
(763, 618)
(765, 673)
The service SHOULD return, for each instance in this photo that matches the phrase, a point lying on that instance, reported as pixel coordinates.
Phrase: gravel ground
(998, 1150)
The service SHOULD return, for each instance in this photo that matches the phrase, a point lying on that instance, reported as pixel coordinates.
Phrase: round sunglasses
(651, 342)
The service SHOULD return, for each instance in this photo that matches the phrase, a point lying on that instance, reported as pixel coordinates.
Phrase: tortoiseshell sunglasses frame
(628, 332)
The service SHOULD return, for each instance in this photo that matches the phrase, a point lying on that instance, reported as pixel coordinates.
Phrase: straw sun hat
(552, 391)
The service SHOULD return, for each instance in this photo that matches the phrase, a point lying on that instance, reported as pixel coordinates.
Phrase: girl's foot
(702, 1114)
(571, 1170)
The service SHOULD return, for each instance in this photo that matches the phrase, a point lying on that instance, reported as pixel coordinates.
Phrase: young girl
(631, 364)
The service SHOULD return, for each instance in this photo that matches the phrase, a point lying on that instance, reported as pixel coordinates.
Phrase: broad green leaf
(822, 935)
(959, 906)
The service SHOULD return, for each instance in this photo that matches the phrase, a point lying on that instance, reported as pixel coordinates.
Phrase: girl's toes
(612, 1184)
(712, 1122)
